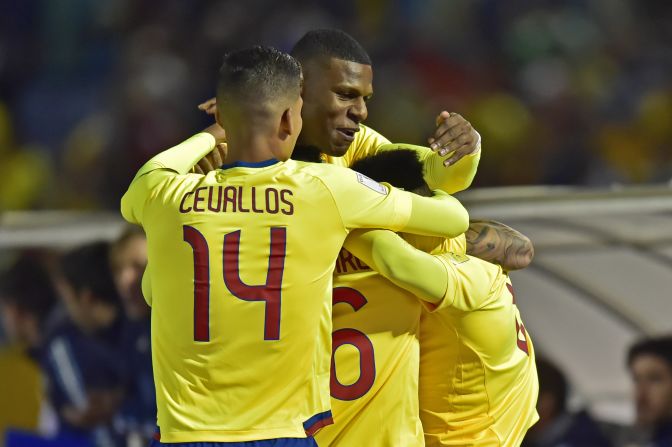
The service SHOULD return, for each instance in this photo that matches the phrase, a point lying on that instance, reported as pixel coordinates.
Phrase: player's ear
(287, 124)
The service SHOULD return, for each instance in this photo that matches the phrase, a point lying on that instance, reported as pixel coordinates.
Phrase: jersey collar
(248, 164)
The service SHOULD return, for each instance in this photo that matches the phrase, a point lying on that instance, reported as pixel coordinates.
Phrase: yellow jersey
(240, 272)
(478, 381)
(374, 374)
(449, 179)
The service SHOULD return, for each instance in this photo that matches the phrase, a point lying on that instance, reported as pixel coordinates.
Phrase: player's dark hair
(257, 75)
(552, 381)
(88, 268)
(28, 287)
(330, 43)
(659, 346)
(401, 168)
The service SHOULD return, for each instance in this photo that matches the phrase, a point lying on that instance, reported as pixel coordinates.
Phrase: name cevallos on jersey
(233, 199)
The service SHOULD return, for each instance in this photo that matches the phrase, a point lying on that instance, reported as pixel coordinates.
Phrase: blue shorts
(279, 442)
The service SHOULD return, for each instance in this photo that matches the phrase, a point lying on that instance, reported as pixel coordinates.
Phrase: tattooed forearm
(497, 243)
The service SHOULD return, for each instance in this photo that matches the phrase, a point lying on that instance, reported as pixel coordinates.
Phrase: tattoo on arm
(497, 243)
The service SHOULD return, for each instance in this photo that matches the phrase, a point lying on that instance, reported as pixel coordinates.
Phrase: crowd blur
(76, 367)
(563, 92)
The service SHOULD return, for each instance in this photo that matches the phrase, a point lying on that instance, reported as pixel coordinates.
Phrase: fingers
(197, 170)
(454, 136)
(460, 141)
(205, 165)
(458, 154)
(450, 129)
(209, 106)
(440, 118)
(218, 155)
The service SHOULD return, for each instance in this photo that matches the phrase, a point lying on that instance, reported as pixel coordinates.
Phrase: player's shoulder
(368, 138)
(368, 132)
(325, 172)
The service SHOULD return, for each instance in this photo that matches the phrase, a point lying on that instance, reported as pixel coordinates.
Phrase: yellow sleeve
(365, 203)
(470, 282)
(176, 160)
(450, 179)
(411, 269)
(446, 281)
(440, 215)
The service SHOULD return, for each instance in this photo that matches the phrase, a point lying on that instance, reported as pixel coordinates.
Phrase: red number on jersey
(367, 364)
(270, 292)
(520, 329)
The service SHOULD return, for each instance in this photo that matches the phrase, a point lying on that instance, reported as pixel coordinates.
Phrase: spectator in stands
(128, 260)
(557, 427)
(81, 356)
(26, 300)
(650, 365)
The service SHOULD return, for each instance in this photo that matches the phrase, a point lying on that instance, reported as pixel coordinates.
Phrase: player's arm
(411, 269)
(451, 161)
(176, 160)
(364, 203)
(497, 243)
(452, 178)
(440, 215)
(447, 280)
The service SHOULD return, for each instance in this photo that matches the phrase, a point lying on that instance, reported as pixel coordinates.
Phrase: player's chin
(338, 148)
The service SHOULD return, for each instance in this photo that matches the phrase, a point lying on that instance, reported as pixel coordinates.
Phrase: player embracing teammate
(241, 340)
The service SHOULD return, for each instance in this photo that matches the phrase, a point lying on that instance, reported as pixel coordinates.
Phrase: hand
(209, 106)
(454, 134)
(217, 132)
(213, 160)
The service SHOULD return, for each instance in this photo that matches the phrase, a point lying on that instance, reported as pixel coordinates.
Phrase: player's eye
(346, 96)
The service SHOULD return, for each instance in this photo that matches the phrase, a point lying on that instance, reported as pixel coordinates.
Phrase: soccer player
(478, 383)
(338, 82)
(241, 263)
(374, 377)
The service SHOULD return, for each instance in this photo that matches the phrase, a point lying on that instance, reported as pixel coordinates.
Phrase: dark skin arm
(499, 244)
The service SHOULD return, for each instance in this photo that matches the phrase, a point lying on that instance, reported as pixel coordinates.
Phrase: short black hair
(328, 43)
(658, 346)
(28, 287)
(88, 268)
(552, 381)
(401, 168)
(257, 75)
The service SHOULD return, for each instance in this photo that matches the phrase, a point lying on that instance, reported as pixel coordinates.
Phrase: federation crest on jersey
(372, 184)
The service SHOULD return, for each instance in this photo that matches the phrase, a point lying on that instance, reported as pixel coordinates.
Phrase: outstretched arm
(411, 269)
(447, 280)
(499, 244)
(176, 160)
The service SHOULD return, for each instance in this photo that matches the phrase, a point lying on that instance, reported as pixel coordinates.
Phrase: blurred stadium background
(572, 95)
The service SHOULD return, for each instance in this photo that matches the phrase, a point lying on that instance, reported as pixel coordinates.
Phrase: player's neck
(251, 148)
